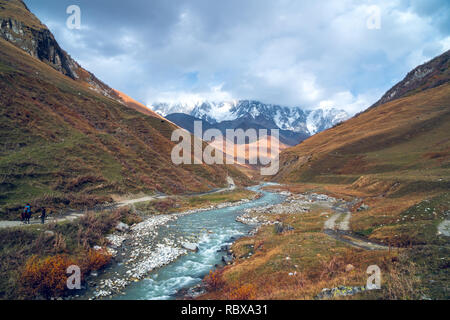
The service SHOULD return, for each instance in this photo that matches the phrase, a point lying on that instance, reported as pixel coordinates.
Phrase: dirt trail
(330, 224)
(37, 221)
(341, 231)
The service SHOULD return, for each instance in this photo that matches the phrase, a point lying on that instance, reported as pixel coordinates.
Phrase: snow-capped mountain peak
(321, 119)
(214, 112)
(294, 119)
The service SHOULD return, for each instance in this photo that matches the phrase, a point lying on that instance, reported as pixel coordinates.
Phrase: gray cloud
(298, 53)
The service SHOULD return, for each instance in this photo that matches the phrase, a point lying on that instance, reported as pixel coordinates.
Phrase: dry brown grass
(392, 137)
(315, 262)
(29, 254)
(402, 281)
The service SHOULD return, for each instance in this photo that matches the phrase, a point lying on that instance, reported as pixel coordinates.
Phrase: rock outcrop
(39, 43)
(426, 76)
(21, 28)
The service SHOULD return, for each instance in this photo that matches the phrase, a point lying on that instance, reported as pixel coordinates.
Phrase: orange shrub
(46, 277)
(95, 260)
(245, 292)
(214, 280)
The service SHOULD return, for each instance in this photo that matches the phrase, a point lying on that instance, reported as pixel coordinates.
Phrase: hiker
(27, 213)
(43, 215)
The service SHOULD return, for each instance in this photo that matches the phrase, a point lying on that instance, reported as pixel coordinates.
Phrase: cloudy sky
(288, 52)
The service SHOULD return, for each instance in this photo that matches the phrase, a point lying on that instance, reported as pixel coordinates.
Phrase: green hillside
(64, 144)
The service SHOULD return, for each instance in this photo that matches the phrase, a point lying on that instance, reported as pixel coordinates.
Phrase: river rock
(280, 228)
(122, 227)
(363, 207)
(227, 260)
(190, 246)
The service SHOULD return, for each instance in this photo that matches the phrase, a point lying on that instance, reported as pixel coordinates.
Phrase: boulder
(190, 246)
(122, 227)
(340, 291)
(280, 228)
(49, 233)
(363, 207)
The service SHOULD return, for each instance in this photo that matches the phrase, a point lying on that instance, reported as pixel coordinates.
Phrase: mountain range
(295, 124)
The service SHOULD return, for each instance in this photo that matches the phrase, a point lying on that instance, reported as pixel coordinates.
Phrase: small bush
(332, 268)
(46, 278)
(95, 260)
(214, 280)
(78, 183)
(245, 292)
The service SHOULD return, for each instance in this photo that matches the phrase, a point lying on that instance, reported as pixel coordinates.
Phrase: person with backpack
(27, 211)
(43, 215)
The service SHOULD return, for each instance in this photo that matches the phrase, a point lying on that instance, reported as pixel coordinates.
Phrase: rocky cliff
(20, 27)
(426, 76)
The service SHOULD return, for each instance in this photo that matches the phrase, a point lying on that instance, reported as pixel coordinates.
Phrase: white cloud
(349, 102)
(297, 53)
(215, 94)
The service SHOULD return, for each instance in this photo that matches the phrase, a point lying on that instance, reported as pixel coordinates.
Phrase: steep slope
(20, 27)
(63, 143)
(403, 143)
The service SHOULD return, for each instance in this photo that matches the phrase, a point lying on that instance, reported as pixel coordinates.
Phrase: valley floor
(34, 256)
(317, 244)
(326, 236)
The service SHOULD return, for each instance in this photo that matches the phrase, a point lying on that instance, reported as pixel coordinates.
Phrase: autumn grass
(404, 141)
(34, 261)
(315, 262)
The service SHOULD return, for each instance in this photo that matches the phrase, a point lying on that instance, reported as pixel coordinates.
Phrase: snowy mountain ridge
(294, 119)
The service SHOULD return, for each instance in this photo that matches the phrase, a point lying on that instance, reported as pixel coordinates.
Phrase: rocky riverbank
(294, 204)
(141, 249)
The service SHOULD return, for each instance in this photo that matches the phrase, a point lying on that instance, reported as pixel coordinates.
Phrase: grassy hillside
(64, 144)
(403, 144)
(394, 159)
(18, 11)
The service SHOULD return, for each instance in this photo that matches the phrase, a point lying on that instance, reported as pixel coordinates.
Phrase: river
(213, 229)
